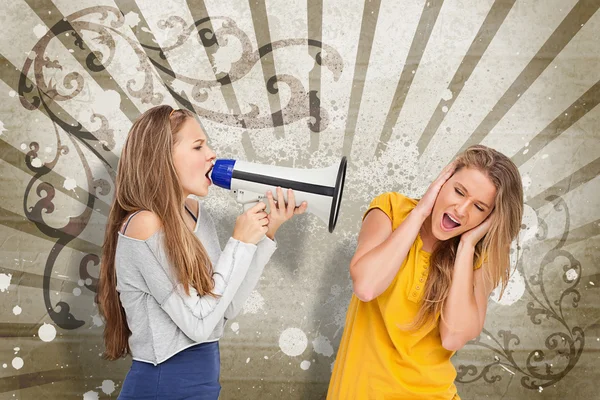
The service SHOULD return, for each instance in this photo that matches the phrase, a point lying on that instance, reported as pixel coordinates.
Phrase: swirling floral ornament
(63, 235)
(567, 344)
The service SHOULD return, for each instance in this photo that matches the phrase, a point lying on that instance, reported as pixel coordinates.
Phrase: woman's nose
(462, 208)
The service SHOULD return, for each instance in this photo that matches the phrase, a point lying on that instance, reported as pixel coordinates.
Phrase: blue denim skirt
(191, 374)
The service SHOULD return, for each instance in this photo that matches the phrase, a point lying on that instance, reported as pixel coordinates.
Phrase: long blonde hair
(147, 180)
(494, 248)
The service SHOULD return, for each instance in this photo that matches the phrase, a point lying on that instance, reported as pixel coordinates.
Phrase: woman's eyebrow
(467, 192)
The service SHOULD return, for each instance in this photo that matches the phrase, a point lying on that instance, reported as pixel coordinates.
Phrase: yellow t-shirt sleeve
(395, 205)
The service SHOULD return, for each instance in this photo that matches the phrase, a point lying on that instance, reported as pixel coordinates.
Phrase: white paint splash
(5, 281)
(322, 346)
(12, 93)
(2, 128)
(36, 162)
(23, 146)
(254, 303)
(445, 109)
(97, 320)
(17, 363)
(235, 327)
(513, 292)
(447, 95)
(76, 291)
(40, 30)
(4, 365)
(224, 56)
(571, 274)
(91, 395)
(17, 310)
(108, 386)
(47, 332)
(132, 19)
(247, 360)
(70, 184)
(293, 342)
(17, 349)
(305, 365)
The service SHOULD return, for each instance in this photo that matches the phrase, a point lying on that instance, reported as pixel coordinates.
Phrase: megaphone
(320, 188)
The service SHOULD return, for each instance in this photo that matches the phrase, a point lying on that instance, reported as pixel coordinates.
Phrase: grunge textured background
(397, 86)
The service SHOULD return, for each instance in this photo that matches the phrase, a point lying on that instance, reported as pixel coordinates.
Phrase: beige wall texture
(398, 86)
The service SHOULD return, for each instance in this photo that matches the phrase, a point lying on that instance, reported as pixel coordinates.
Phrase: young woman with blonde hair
(422, 274)
(166, 288)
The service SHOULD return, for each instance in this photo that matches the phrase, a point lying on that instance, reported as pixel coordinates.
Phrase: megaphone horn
(321, 188)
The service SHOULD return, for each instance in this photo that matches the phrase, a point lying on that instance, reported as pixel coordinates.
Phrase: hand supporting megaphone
(282, 211)
(321, 188)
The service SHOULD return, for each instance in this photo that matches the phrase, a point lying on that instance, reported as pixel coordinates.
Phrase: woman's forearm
(461, 317)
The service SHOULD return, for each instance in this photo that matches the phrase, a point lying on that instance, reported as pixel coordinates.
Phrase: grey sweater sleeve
(265, 249)
(197, 316)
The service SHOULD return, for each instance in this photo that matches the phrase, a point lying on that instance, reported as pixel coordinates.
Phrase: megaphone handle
(248, 206)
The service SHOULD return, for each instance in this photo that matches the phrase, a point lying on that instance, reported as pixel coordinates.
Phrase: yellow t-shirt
(377, 359)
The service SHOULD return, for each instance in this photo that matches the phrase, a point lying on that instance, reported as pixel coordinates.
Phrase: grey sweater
(164, 320)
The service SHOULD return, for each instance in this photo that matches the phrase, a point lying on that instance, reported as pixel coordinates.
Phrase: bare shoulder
(192, 205)
(143, 225)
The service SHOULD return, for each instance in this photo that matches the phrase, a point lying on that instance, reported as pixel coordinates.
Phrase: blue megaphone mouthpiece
(222, 172)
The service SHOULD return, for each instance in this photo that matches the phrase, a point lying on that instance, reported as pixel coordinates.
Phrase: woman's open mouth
(449, 222)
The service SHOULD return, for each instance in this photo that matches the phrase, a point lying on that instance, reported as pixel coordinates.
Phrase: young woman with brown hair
(166, 288)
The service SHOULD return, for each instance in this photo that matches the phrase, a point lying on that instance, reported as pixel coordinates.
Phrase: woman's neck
(427, 237)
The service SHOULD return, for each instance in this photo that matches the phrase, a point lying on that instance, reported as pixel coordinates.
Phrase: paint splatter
(293, 342)
(323, 346)
(223, 58)
(571, 275)
(12, 93)
(2, 128)
(17, 349)
(132, 19)
(17, 363)
(247, 360)
(447, 95)
(445, 109)
(17, 310)
(40, 30)
(91, 395)
(108, 386)
(235, 327)
(97, 320)
(4, 365)
(305, 365)
(5, 281)
(76, 291)
(70, 184)
(254, 303)
(36, 162)
(47, 332)
(513, 292)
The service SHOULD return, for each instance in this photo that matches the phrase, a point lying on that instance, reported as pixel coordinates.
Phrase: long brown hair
(147, 180)
(493, 248)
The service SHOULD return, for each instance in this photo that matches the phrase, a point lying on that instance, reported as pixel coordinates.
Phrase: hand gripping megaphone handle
(248, 199)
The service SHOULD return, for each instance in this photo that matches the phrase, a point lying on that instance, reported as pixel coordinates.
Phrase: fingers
(291, 204)
(301, 209)
(271, 201)
(258, 207)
